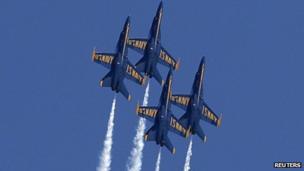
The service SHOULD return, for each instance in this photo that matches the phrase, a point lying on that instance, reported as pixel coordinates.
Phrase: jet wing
(147, 112)
(138, 45)
(181, 101)
(209, 116)
(177, 128)
(167, 60)
(103, 58)
(134, 75)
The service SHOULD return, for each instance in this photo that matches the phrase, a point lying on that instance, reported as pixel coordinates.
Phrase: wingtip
(203, 60)
(128, 18)
(177, 64)
(160, 6)
(174, 151)
(129, 98)
(137, 108)
(145, 137)
(205, 139)
(93, 53)
(219, 122)
(100, 83)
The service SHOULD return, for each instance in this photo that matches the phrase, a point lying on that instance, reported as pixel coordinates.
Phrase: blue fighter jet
(195, 106)
(163, 118)
(152, 50)
(119, 65)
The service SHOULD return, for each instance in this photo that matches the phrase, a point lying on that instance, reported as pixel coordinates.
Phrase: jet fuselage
(195, 107)
(119, 64)
(153, 47)
(194, 112)
(162, 119)
(151, 54)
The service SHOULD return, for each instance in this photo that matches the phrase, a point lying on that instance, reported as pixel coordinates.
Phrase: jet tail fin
(106, 80)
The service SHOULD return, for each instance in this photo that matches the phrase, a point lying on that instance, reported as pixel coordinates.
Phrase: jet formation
(161, 115)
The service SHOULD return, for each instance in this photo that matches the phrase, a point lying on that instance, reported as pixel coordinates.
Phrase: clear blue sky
(53, 114)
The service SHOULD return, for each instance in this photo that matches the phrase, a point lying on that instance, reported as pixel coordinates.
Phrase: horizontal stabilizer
(124, 91)
(106, 81)
(199, 131)
(169, 145)
(150, 135)
(184, 121)
(141, 65)
(157, 76)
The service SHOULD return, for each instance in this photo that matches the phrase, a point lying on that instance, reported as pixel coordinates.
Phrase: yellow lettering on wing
(165, 57)
(183, 100)
(134, 74)
(173, 122)
(141, 44)
(215, 119)
(162, 54)
(105, 58)
(168, 60)
(177, 126)
(210, 115)
(148, 112)
(138, 44)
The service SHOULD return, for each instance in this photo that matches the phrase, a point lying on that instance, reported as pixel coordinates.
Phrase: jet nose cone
(203, 60)
(161, 4)
(127, 23)
(160, 7)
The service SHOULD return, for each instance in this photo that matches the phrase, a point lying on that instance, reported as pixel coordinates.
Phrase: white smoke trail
(135, 160)
(105, 158)
(157, 166)
(188, 157)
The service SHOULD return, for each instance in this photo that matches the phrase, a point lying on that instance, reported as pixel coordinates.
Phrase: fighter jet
(195, 106)
(163, 118)
(119, 65)
(152, 50)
